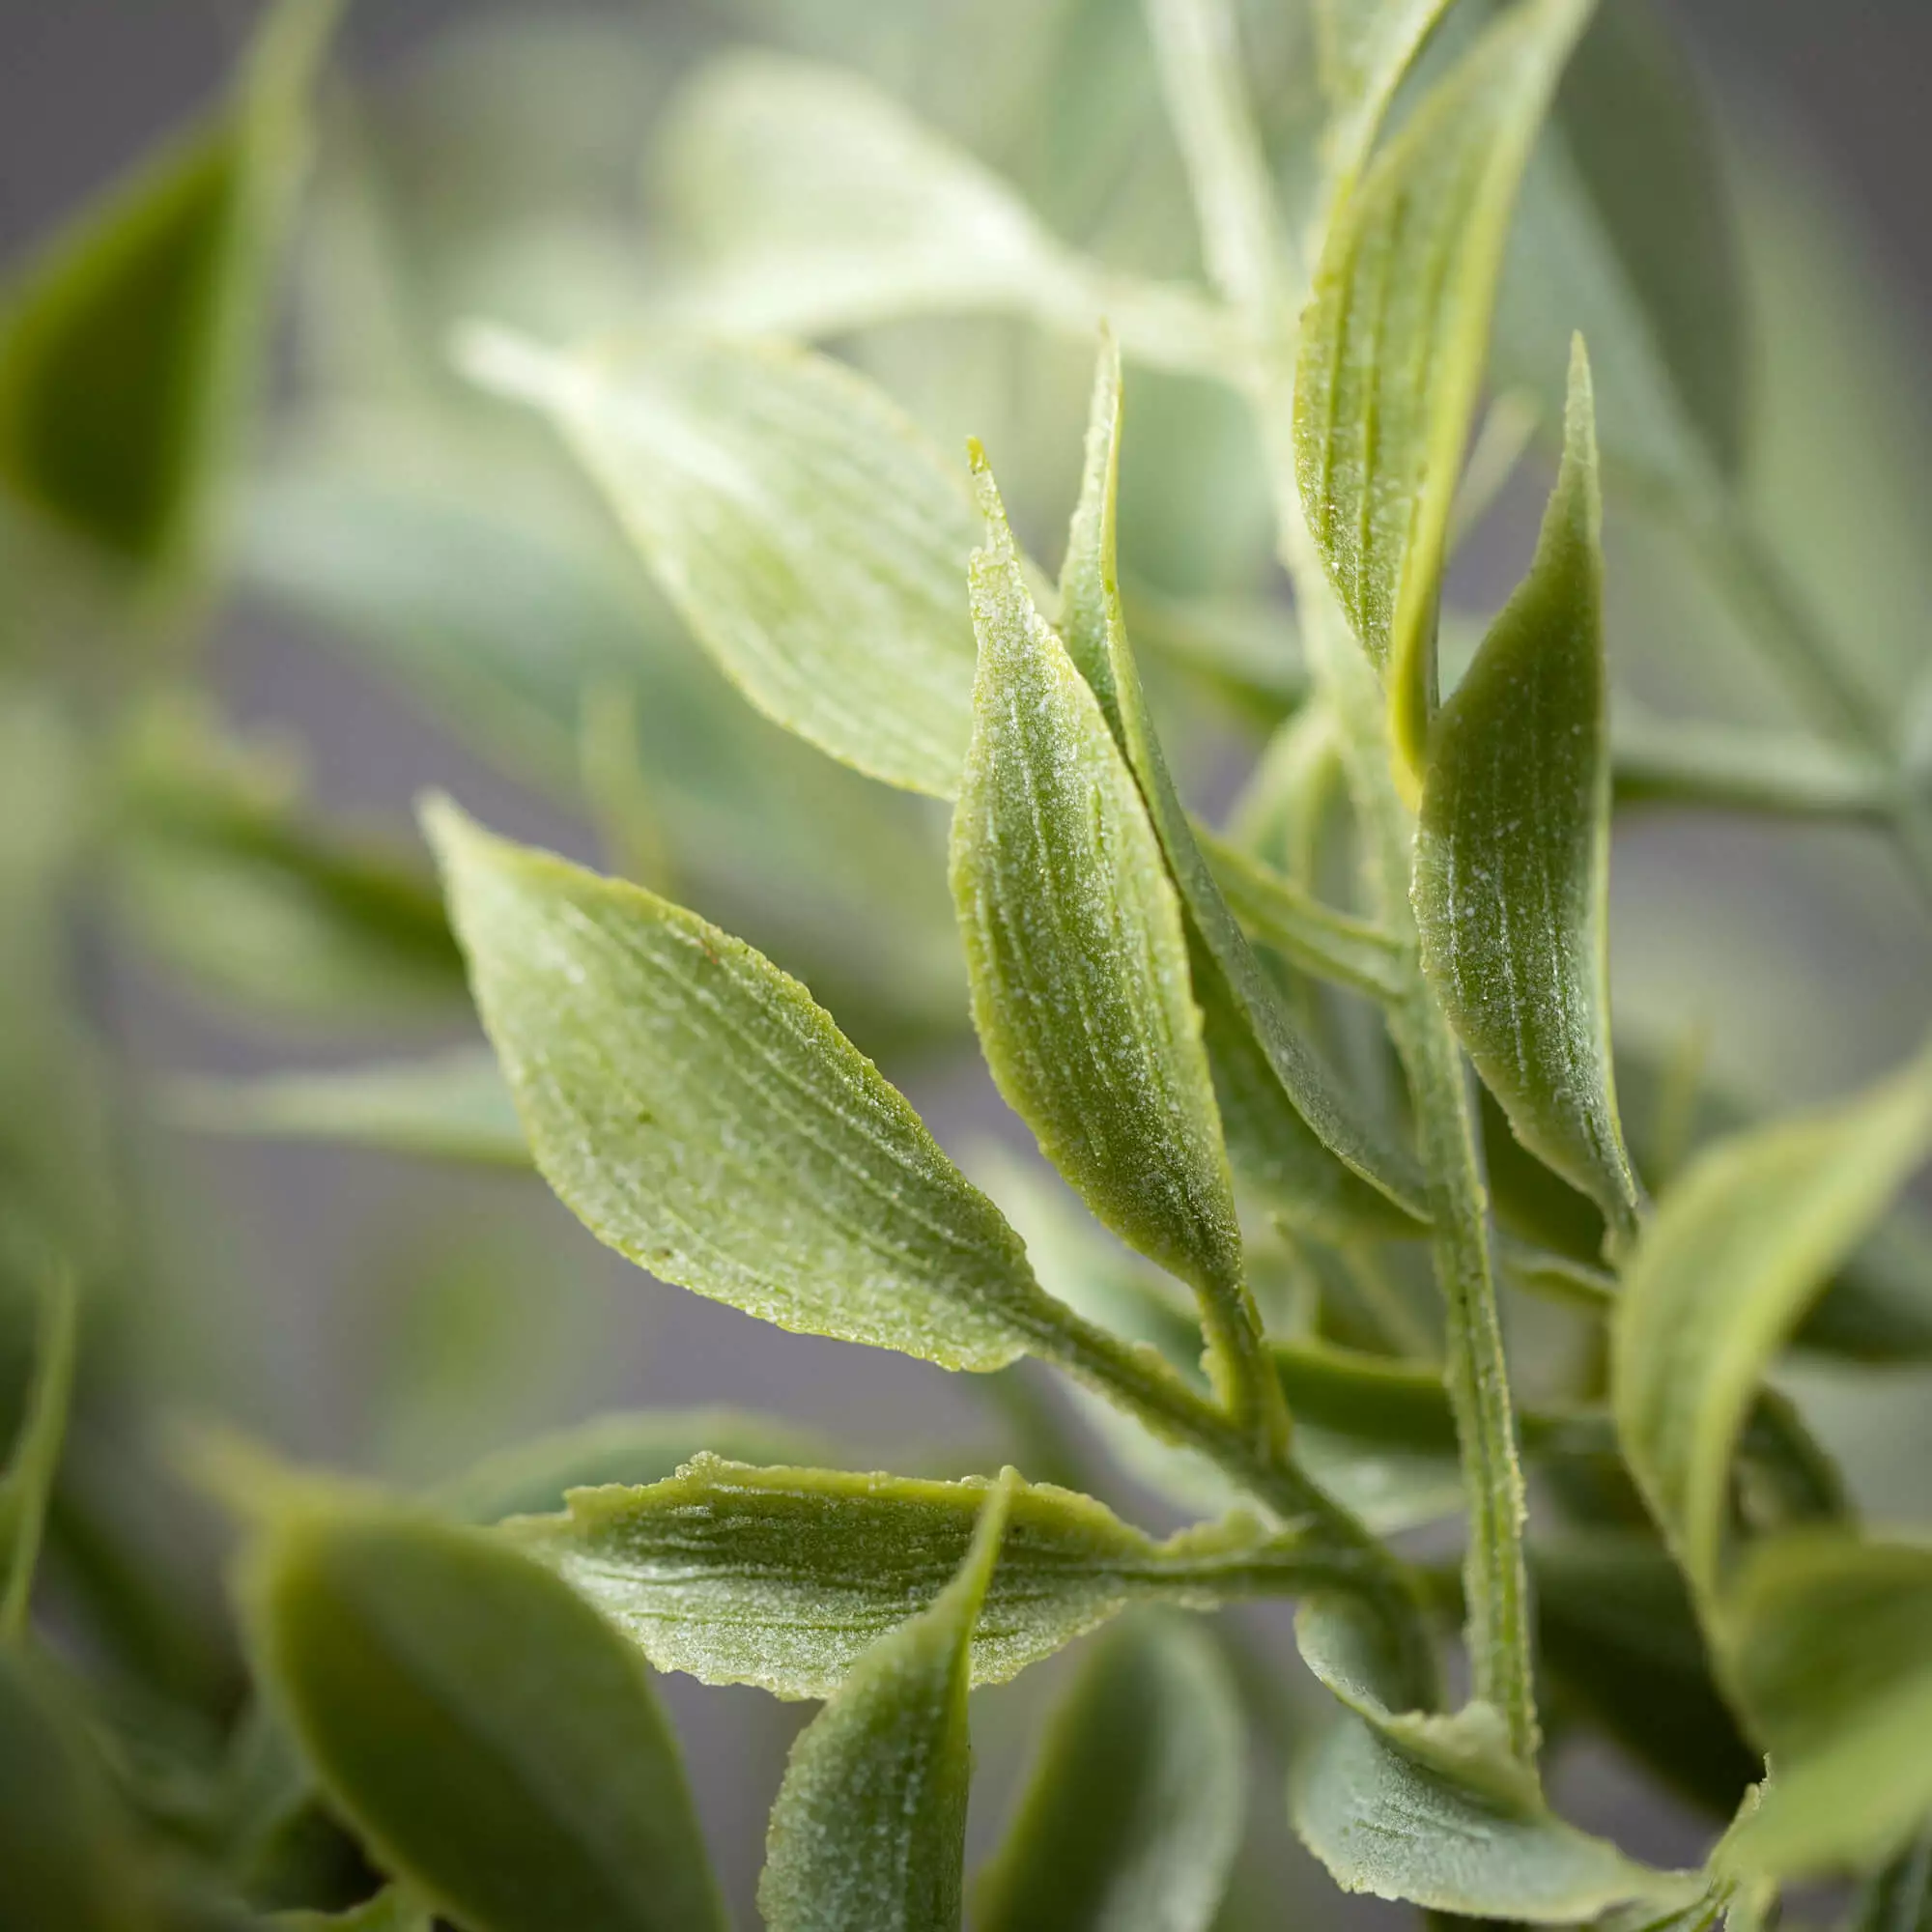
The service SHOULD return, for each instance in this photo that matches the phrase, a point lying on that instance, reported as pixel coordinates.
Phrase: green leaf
(868, 1830)
(702, 1116)
(642, 1447)
(1618, 1635)
(1899, 1898)
(1626, 233)
(781, 1578)
(1513, 847)
(454, 1106)
(1737, 1250)
(1078, 960)
(1395, 340)
(1131, 1818)
(27, 1474)
(1741, 768)
(813, 203)
(65, 1858)
(130, 352)
(1437, 1811)
(391, 1910)
(1291, 1129)
(801, 525)
(1365, 48)
(1828, 1647)
(497, 1743)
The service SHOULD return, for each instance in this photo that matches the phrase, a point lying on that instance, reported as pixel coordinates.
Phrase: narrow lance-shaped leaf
(1439, 1810)
(1291, 1129)
(1394, 343)
(1899, 1898)
(1365, 48)
(27, 1476)
(1512, 856)
(1828, 1645)
(868, 1830)
(702, 1116)
(1735, 1254)
(497, 1743)
(807, 533)
(128, 359)
(1131, 1819)
(1078, 961)
(783, 1576)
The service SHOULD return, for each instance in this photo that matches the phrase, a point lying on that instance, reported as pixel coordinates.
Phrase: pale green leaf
(1626, 232)
(1437, 1811)
(701, 1115)
(807, 532)
(1741, 768)
(781, 1578)
(1737, 1250)
(1899, 1898)
(1132, 1816)
(1365, 48)
(868, 1830)
(1076, 954)
(28, 1469)
(1512, 856)
(1828, 1648)
(131, 347)
(391, 1910)
(632, 1449)
(1291, 1129)
(813, 204)
(1395, 341)
(454, 1106)
(496, 1743)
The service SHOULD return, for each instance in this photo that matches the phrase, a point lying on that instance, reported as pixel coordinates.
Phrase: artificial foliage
(996, 583)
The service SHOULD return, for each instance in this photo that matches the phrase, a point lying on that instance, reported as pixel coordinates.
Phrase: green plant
(1396, 1241)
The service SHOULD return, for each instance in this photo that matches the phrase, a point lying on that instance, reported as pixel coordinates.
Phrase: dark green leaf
(1513, 847)
(1077, 957)
(1283, 1112)
(1737, 1250)
(454, 1106)
(868, 1832)
(1132, 1815)
(66, 1860)
(646, 1446)
(807, 533)
(1394, 344)
(131, 350)
(497, 1744)
(27, 1474)
(781, 1578)
(703, 1117)
(1829, 1646)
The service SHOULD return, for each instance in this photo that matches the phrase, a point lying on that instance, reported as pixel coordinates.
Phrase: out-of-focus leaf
(1737, 1250)
(225, 879)
(484, 580)
(647, 1446)
(1132, 1816)
(701, 1115)
(1436, 1809)
(869, 1829)
(781, 1578)
(807, 533)
(1828, 1647)
(1626, 233)
(130, 352)
(27, 1474)
(454, 1106)
(1078, 960)
(66, 1858)
(813, 203)
(1365, 48)
(1513, 847)
(1734, 768)
(391, 1910)
(1289, 1126)
(1899, 1898)
(1395, 342)
(1618, 1635)
(494, 1739)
